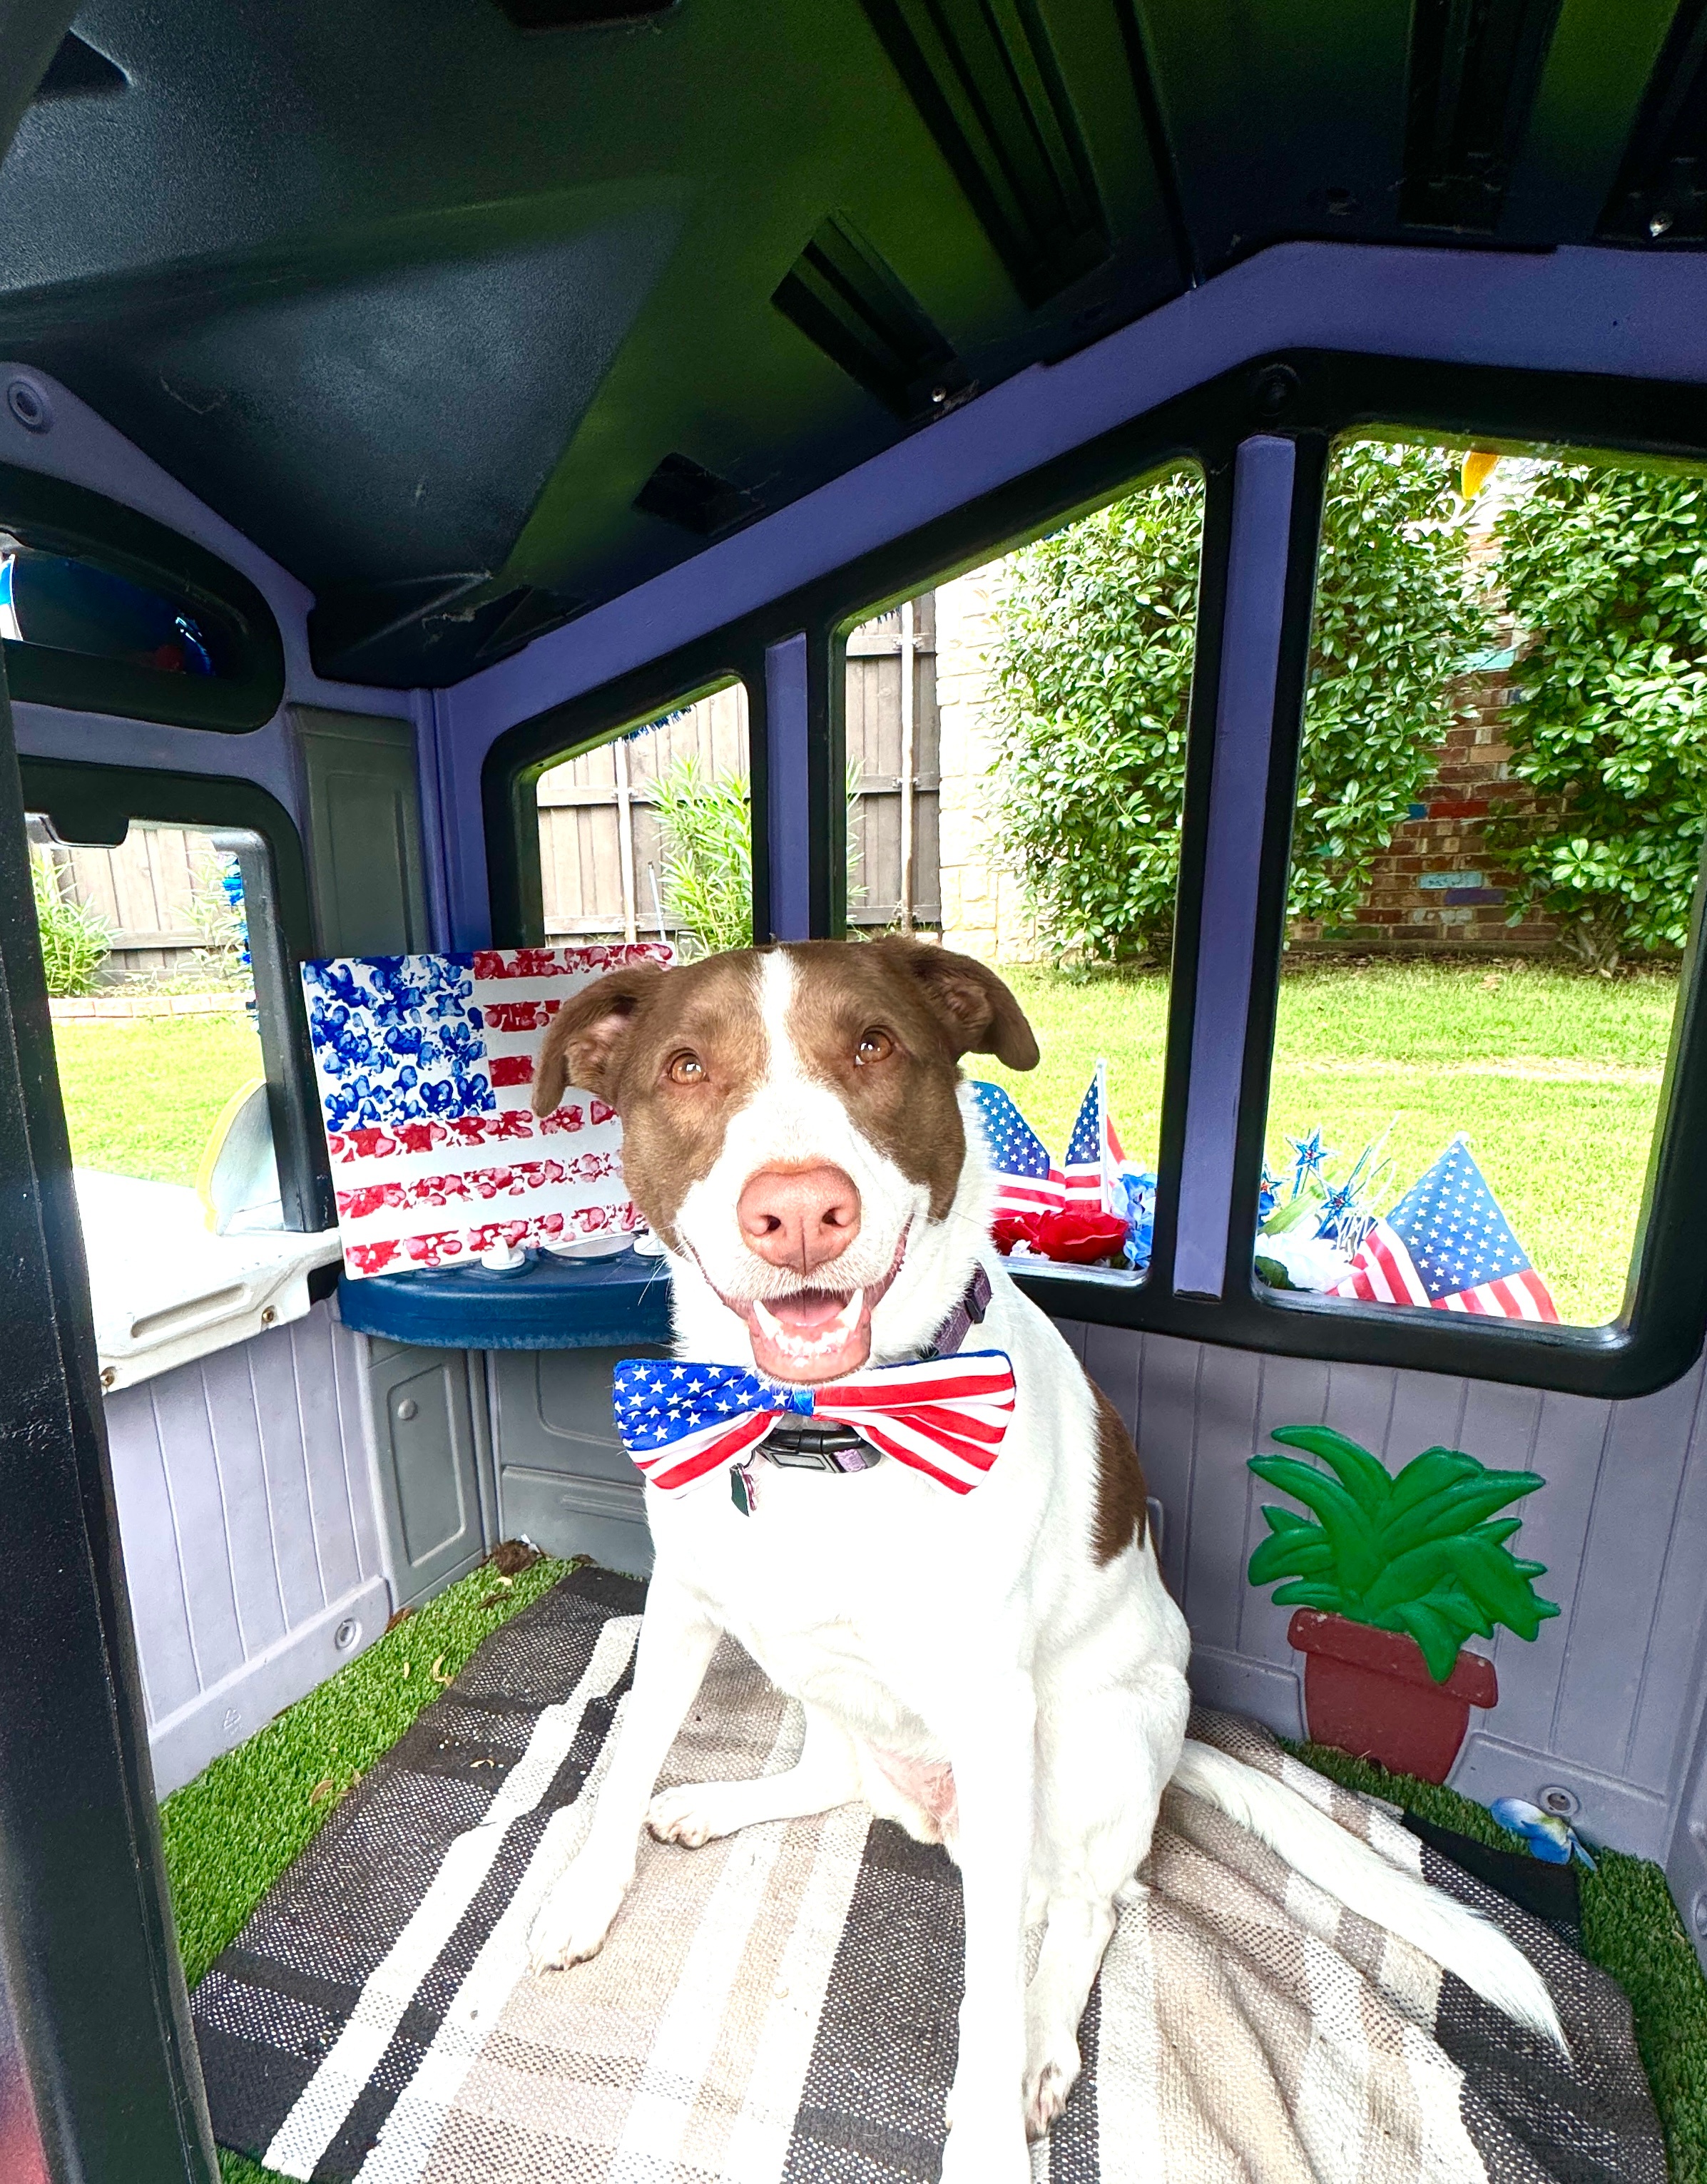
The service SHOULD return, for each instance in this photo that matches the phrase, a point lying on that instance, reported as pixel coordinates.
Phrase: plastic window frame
(1313, 398)
(57, 516)
(570, 731)
(94, 804)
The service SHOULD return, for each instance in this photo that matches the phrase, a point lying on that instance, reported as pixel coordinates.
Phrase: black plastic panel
(1661, 190)
(79, 531)
(841, 296)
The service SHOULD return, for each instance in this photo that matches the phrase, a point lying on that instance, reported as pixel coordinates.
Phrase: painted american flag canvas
(1448, 1245)
(425, 1066)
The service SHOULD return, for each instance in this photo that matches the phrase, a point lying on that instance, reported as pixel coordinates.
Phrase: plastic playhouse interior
(401, 402)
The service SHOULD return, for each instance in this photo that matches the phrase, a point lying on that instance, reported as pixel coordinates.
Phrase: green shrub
(708, 854)
(75, 942)
(1092, 672)
(1603, 570)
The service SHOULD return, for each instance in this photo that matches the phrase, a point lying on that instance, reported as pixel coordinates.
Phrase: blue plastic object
(557, 1304)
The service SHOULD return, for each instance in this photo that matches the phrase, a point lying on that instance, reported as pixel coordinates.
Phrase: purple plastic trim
(1611, 311)
(789, 834)
(265, 756)
(1238, 794)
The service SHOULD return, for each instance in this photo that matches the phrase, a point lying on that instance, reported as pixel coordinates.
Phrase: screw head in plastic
(29, 406)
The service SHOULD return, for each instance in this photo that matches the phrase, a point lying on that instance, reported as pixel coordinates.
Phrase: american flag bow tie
(944, 1416)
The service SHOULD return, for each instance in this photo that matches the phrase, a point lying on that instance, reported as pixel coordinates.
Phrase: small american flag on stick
(1027, 1181)
(1093, 1151)
(1447, 1245)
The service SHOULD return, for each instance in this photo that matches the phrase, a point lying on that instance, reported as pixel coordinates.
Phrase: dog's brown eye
(874, 1045)
(685, 1069)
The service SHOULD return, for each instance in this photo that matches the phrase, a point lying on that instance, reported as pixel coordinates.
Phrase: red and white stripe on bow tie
(945, 1417)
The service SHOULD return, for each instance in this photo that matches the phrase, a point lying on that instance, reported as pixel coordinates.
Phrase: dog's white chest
(828, 1586)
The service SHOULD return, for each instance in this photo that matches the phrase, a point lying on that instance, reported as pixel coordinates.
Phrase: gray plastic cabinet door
(564, 1479)
(370, 895)
(429, 1491)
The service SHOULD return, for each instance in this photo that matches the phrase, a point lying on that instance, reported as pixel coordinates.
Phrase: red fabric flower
(1074, 1237)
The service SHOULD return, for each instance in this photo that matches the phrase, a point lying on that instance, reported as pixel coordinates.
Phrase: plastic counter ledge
(553, 1304)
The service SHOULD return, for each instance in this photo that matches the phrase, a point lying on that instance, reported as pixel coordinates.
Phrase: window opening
(1499, 820)
(173, 1076)
(146, 946)
(1016, 742)
(650, 835)
(74, 605)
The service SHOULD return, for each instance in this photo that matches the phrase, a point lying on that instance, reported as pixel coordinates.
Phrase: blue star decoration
(1311, 1153)
(1551, 1837)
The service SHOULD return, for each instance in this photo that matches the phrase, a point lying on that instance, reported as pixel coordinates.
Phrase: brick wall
(1435, 887)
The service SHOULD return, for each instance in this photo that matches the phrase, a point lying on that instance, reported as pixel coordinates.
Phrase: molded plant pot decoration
(1394, 1575)
(1370, 1692)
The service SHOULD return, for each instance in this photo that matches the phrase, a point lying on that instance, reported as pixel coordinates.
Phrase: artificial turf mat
(232, 1832)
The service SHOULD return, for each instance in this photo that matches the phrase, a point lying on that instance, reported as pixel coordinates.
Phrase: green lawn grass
(143, 1093)
(1553, 1076)
(232, 1832)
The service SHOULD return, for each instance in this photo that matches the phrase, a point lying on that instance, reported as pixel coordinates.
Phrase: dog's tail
(1329, 1855)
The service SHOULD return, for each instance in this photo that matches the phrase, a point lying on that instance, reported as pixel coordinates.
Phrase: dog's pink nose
(799, 1216)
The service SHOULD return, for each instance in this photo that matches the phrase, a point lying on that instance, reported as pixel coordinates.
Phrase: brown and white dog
(1001, 1671)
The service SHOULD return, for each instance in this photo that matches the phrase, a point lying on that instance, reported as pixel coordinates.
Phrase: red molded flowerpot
(1370, 1692)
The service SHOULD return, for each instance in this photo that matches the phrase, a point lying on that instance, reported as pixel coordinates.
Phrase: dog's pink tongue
(803, 1339)
(807, 1310)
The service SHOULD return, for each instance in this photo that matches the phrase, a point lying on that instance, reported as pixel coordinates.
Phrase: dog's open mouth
(813, 1335)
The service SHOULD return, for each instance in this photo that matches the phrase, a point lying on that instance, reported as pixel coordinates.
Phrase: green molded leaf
(1472, 1499)
(1497, 1529)
(1503, 1587)
(1290, 1554)
(1427, 1474)
(1414, 1575)
(1288, 1520)
(1439, 1638)
(1348, 1529)
(1366, 1480)
(1327, 1597)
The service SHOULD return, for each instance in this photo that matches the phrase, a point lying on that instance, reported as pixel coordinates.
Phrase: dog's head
(792, 1130)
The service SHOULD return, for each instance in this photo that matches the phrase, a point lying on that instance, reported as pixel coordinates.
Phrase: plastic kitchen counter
(551, 1304)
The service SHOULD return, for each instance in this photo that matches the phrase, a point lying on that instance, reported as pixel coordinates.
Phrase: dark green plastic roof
(471, 325)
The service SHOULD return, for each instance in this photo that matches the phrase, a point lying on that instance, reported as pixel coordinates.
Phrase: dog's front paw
(570, 1924)
(1048, 2081)
(695, 1812)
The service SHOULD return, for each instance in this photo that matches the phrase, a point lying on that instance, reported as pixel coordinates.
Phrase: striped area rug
(780, 2007)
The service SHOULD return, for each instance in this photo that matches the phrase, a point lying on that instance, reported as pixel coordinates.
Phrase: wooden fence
(143, 892)
(601, 852)
(893, 749)
(601, 859)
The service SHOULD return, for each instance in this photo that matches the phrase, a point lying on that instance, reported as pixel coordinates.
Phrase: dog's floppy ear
(974, 1008)
(584, 1041)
